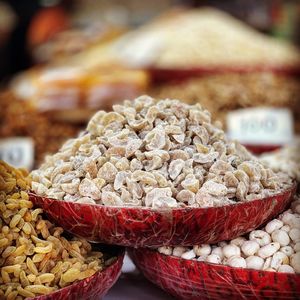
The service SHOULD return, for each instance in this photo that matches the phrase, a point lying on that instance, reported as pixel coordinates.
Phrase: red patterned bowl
(161, 75)
(145, 227)
(191, 279)
(91, 288)
(260, 149)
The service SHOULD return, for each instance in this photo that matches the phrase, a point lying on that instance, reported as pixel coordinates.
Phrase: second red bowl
(194, 280)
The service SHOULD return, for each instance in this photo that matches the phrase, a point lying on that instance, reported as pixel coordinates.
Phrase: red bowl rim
(183, 262)
(120, 257)
(291, 189)
(255, 68)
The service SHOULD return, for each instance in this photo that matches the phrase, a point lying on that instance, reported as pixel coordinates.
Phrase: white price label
(261, 126)
(18, 152)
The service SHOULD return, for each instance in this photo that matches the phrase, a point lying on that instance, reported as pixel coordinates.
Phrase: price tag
(260, 126)
(18, 152)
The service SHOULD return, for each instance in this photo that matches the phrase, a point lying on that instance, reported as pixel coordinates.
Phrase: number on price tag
(18, 152)
(260, 126)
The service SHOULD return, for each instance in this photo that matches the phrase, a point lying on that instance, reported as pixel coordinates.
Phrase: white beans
(287, 250)
(238, 241)
(286, 269)
(237, 261)
(275, 248)
(202, 250)
(294, 234)
(178, 251)
(202, 258)
(231, 250)
(268, 250)
(286, 228)
(295, 262)
(249, 248)
(218, 251)
(213, 258)
(255, 262)
(189, 254)
(270, 270)
(165, 250)
(297, 208)
(273, 225)
(267, 263)
(261, 237)
(297, 247)
(281, 237)
(278, 259)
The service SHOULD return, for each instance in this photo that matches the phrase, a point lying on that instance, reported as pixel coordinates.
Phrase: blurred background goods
(63, 60)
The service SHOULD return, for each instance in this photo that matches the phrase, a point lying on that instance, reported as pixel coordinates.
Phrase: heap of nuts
(286, 159)
(222, 93)
(35, 258)
(18, 118)
(157, 154)
(276, 247)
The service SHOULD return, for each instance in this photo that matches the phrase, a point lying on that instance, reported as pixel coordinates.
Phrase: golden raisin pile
(35, 258)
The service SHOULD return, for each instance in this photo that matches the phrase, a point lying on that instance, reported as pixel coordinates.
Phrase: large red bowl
(144, 227)
(91, 288)
(191, 279)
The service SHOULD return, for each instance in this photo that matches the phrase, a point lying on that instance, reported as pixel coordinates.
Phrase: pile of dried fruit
(18, 119)
(285, 160)
(276, 247)
(35, 258)
(222, 93)
(154, 154)
(205, 38)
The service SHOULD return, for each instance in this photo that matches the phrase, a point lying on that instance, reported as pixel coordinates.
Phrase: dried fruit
(156, 154)
(257, 250)
(35, 258)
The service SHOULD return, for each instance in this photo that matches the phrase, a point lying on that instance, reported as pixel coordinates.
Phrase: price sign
(18, 152)
(261, 126)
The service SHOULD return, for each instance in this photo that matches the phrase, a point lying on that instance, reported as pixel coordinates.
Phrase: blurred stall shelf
(19, 119)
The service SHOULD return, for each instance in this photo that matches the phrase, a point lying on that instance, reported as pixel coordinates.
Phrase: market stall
(154, 162)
